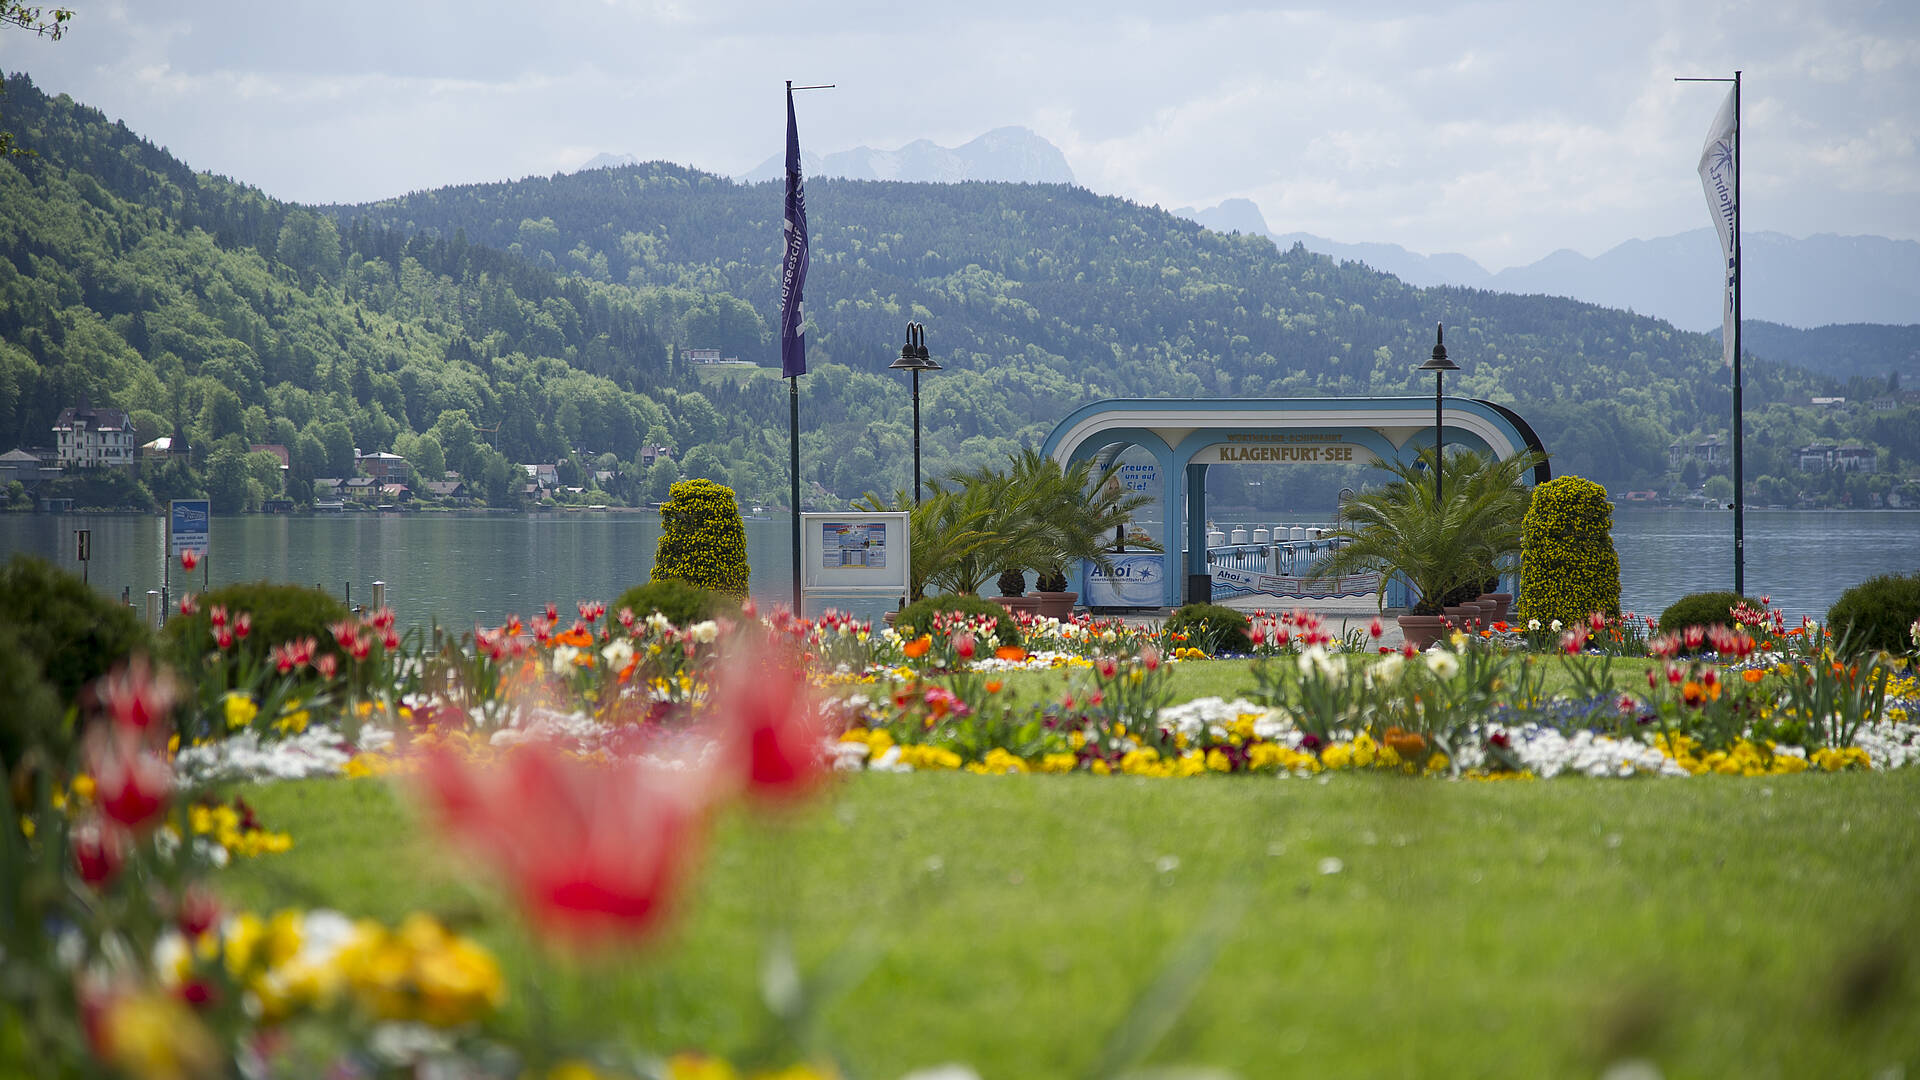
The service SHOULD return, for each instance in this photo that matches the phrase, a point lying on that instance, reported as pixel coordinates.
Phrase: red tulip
(964, 645)
(1375, 628)
(198, 911)
(98, 850)
(135, 695)
(243, 625)
(131, 779)
(779, 740)
(189, 559)
(594, 853)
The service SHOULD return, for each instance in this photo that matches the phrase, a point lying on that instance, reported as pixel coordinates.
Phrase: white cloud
(1501, 129)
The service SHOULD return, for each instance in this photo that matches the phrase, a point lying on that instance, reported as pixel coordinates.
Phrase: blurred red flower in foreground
(773, 735)
(594, 852)
(599, 852)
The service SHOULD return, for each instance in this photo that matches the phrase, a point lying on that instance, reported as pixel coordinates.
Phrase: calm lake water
(466, 568)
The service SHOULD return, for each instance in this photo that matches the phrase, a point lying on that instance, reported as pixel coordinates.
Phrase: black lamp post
(914, 358)
(1439, 365)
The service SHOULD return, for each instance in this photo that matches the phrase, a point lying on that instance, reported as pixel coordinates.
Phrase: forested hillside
(479, 327)
(1040, 297)
(207, 308)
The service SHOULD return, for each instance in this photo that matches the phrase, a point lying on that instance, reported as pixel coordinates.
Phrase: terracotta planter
(890, 616)
(1502, 603)
(1016, 604)
(1053, 605)
(1421, 631)
(1462, 614)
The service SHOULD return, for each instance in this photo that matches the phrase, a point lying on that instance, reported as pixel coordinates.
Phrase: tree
(229, 482)
(49, 23)
(310, 245)
(427, 459)
(1439, 547)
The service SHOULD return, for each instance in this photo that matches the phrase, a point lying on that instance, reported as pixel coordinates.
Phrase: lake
(467, 568)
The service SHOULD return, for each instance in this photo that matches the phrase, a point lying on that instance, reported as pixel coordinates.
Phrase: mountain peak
(608, 161)
(1010, 154)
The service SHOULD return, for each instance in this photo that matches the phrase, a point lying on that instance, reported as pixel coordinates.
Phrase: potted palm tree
(1441, 549)
(1073, 509)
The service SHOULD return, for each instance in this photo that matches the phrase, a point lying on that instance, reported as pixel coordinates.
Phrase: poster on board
(855, 554)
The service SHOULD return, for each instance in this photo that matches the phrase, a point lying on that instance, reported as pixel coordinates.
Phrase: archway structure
(1188, 436)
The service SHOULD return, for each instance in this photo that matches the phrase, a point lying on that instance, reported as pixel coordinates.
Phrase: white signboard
(855, 554)
(1136, 580)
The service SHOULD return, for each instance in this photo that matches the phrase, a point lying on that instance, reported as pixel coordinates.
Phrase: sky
(1502, 130)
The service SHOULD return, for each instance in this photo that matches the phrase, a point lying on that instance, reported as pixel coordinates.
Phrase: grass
(1718, 927)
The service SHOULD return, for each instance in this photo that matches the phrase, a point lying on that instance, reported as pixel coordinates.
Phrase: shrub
(1568, 568)
(681, 602)
(32, 717)
(1703, 609)
(1212, 628)
(1878, 613)
(280, 613)
(701, 539)
(73, 634)
(917, 619)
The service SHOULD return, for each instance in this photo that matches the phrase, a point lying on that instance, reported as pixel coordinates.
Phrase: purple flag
(793, 268)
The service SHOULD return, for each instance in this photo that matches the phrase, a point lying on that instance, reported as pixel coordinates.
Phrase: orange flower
(1753, 675)
(993, 686)
(1010, 652)
(1408, 744)
(579, 637)
(918, 647)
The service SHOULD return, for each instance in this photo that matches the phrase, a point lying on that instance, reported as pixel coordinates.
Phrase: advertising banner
(1136, 580)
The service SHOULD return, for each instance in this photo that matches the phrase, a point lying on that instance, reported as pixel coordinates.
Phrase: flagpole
(1739, 414)
(1734, 281)
(793, 361)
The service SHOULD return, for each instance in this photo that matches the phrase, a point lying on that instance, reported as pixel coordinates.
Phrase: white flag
(1719, 166)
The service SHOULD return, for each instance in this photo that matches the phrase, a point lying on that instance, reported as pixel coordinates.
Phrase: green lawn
(1717, 927)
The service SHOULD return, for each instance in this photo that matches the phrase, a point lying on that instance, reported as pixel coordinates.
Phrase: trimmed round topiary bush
(917, 618)
(681, 602)
(32, 718)
(280, 613)
(1878, 613)
(702, 540)
(1568, 568)
(73, 634)
(1703, 609)
(1212, 628)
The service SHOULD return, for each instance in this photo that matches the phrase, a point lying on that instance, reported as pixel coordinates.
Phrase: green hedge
(1703, 609)
(73, 634)
(681, 602)
(917, 618)
(1568, 568)
(702, 540)
(1212, 628)
(280, 613)
(1878, 613)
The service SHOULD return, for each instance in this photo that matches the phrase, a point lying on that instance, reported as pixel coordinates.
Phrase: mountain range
(1816, 281)
(1011, 154)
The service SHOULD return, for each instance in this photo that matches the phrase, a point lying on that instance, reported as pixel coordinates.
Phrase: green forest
(484, 327)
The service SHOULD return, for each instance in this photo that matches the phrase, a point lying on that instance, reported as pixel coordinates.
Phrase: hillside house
(87, 437)
(382, 466)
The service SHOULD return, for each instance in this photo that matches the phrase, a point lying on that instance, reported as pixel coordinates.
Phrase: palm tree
(947, 535)
(1052, 515)
(1471, 536)
(1033, 515)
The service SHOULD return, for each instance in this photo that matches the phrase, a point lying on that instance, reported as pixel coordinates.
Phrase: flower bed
(584, 764)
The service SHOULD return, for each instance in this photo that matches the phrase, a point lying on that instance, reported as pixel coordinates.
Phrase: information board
(188, 527)
(855, 554)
